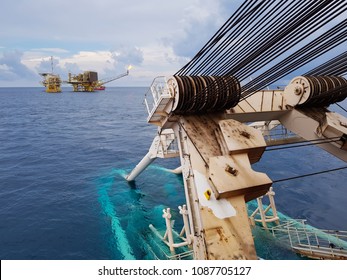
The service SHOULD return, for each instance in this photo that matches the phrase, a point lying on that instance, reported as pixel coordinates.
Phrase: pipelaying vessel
(219, 126)
(217, 149)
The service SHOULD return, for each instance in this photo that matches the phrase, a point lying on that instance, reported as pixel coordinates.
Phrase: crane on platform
(100, 85)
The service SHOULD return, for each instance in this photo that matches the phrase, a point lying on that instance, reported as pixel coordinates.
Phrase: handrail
(315, 242)
(157, 88)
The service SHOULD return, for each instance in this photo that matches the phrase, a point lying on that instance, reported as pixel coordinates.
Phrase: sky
(156, 37)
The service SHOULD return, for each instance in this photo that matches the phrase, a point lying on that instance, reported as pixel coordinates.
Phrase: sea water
(63, 158)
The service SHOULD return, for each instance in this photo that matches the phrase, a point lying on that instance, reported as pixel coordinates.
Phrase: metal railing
(157, 89)
(312, 242)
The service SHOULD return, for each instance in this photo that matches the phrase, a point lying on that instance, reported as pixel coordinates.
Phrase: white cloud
(13, 68)
(88, 60)
(50, 50)
(199, 20)
(103, 36)
(147, 62)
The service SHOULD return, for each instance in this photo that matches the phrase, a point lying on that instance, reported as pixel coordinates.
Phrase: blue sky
(155, 37)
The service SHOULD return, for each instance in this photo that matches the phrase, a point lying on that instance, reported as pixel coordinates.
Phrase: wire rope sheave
(204, 94)
(316, 90)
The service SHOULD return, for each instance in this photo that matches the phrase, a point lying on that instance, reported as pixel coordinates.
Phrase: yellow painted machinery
(51, 82)
(85, 81)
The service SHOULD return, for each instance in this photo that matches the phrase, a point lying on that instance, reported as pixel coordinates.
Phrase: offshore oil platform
(88, 81)
(218, 123)
(51, 81)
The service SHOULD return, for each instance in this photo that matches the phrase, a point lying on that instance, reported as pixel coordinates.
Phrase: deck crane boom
(100, 84)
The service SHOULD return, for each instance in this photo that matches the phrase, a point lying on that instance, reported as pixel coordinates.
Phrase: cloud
(125, 56)
(199, 21)
(48, 65)
(155, 37)
(87, 60)
(72, 68)
(50, 50)
(11, 67)
(106, 63)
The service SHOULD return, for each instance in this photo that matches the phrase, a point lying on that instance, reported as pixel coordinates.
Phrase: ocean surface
(63, 158)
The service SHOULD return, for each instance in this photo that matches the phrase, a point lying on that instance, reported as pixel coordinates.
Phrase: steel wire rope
(308, 47)
(247, 48)
(212, 41)
(217, 51)
(325, 47)
(269, 80)
(341, 107)
(329, 66)
(184, 70)
(260, 41)
(306, 30)
(323, 141)
(285, 29)
(339, 62)
(229, 39)
(309, 174)
(221, 46)
(260, 37)
(235, 49)
(257, 61)
(336, 70)
(303, 33)
(332, 70)
(292, 67)
(270, 3)
(222, 32)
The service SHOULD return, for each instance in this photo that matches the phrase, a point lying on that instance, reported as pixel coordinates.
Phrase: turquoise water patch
(120, 236)
(129, 209)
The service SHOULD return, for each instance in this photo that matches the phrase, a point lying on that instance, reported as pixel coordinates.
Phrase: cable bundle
(260, 32)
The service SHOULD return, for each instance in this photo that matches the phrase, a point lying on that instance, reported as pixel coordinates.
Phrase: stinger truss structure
(219, 119)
